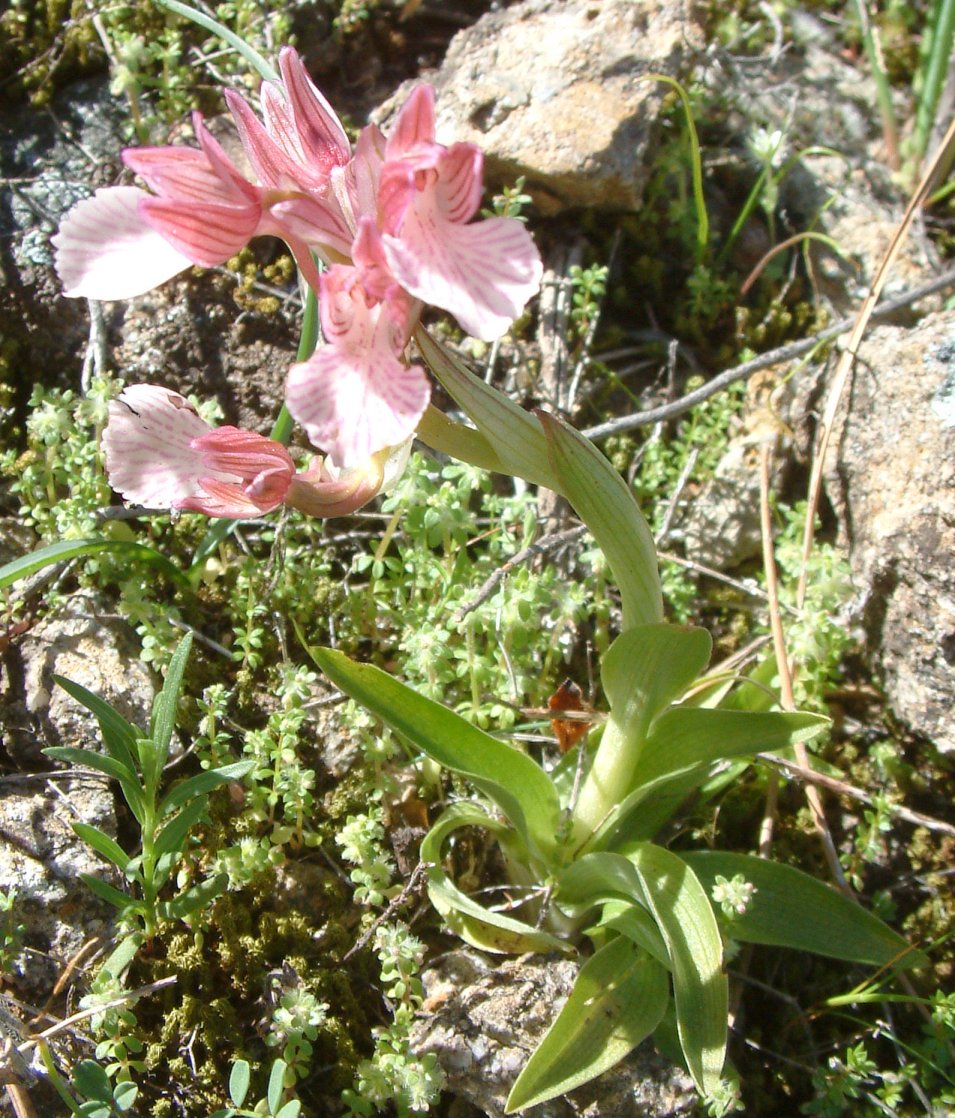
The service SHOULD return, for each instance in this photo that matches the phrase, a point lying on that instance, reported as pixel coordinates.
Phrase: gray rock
(891, 480)
(99, 653)
(42, 859)
(554, 90)
(483, 1020)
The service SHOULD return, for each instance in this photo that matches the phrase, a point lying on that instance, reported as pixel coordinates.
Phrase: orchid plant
(380, 232)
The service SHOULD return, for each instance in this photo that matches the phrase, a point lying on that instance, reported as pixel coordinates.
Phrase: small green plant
(11, 931)
(137, 762)
(273, 1105)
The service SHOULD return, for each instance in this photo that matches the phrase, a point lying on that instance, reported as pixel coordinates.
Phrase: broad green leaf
(172, 836)
(119, 736)
(103, 844)
(793, 909)
(291, 1109)
(477, 925)
(618, 999)
(77, 549)
(649, 666)
(686, 737)
(165, 710)
(682, 911)
(604, 502)
(202, 783)
(195, 898)
(636, 923)
(515, 782)
(513, 434)
(107, 892)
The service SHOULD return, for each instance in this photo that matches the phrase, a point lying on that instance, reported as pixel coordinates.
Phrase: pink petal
(272, 165)
(356, 185)
(414, 125)
(105, 250)
(174, 172)
(396, 194)
(264, 465)
(320, 226)
(460, 182)
(235, 187)
(206, 233)
(227, 499)
(355, 395)
(483, 273)
(150, 458)
(318, 134)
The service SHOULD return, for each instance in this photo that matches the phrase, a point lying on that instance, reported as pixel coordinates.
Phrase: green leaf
(107, 892)
(172, 836)
(203, 783)
(290, 1110)
(195, 898)
(648, 667)
(119, 736)
(686, 737)
(87, 758)
(77, 549)
(238, 44)
(92, 1081)
(124, 1095)
(682, 911)
(239, 1079)
(793, 909)
(165, 710)
(513, 434)
(516, 783)
(103, 844)
(604, 502)
(122, 955)
(477, 925)
(276, 1086)
(636, 923)
(618, 999)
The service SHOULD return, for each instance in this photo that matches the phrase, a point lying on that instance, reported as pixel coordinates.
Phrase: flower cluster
(391, 220)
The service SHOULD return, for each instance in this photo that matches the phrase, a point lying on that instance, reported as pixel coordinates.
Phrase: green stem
(940, 33)
(55, 1078)
(606, 783)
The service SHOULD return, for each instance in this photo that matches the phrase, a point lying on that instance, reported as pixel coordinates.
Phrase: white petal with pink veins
(354, 403)
(105, 250)
(147, 444)
(483, 273)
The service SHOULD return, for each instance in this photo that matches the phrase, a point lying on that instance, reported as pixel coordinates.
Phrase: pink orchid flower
(162, 454)
(357, 391)
(482, 272)
(124, 241)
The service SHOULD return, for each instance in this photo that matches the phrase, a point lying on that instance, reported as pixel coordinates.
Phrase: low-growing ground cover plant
(583, 842)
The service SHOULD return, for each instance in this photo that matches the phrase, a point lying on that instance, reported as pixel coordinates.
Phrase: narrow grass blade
(78, 549)
(108, 847)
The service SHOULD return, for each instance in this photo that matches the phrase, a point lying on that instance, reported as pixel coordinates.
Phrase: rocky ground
(554, 91)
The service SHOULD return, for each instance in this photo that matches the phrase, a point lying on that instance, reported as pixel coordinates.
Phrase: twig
(123, 999)
(412, 886)
(749, 588)
(840, 378)
(812, 776)
(785, 677)
(774, 357)
(545, 543)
